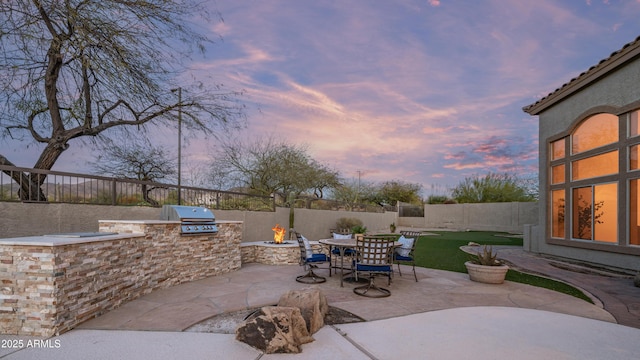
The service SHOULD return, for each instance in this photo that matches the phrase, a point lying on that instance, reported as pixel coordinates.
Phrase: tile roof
(617, 58)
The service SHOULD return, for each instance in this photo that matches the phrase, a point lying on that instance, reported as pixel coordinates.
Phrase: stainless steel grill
(195, 220)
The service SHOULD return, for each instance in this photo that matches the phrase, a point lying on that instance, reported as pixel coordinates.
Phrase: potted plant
(485, 268)
(392, 227)
(358, 230)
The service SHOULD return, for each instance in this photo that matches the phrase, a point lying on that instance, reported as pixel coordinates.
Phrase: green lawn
(443, 252)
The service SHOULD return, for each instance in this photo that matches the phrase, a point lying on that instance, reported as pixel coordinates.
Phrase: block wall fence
(28, 219)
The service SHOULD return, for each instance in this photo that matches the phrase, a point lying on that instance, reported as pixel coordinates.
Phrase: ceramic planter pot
(486, 274)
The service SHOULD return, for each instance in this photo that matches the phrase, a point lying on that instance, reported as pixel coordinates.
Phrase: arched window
(594, 132)
(585, 207)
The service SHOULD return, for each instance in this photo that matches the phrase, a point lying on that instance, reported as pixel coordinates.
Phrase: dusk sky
(423, 91)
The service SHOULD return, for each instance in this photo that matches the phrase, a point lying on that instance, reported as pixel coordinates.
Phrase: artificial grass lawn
(443, 252)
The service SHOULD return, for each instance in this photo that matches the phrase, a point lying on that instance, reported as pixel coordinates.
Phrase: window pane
(634, 212)
(557, 213)
(599, 165)
(557, 149)
(605, 213)
(634, 152)
(581, 213)
(634, 125)
(557, 174)
(596, 131)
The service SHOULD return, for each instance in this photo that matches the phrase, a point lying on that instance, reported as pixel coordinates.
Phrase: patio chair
(374, 258)
(403, 255)
(335, 252)
(310, 261)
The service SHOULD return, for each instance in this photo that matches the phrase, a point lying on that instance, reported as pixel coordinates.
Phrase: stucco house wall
(612, 87)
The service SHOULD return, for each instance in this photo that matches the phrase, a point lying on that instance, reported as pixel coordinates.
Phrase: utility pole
(179, 90)
(358, 192)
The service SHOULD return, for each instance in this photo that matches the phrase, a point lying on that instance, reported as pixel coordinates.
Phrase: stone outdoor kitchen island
(50, 284)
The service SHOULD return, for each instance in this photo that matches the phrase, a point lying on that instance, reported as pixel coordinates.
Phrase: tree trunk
(146, 197)
(28, 184)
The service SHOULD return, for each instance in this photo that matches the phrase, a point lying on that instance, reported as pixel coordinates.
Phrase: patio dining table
(342, 245)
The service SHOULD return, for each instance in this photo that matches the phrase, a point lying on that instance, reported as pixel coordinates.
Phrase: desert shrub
(437, 199)
(348, 223)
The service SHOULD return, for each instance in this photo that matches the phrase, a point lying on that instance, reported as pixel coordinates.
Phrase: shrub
(359, 229)
(348, 223)
(486, 257)
(437, 199)
(493, 188)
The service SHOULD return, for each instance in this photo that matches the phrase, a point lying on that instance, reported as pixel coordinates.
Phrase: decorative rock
(312, 304)
(275, 329)
(636, 280)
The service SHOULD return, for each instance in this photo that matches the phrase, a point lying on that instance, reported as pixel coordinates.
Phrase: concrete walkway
(443, 315)
(616, 293)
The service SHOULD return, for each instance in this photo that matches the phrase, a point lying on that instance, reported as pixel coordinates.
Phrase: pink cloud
(405, 90)
(433, 130)
(459, 166)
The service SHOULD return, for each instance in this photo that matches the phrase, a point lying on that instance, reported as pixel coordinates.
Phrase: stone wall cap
(153, 222)
(156, 222)
(268, 243)
(58, 240)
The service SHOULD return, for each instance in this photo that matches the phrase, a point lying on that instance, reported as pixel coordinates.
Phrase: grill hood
(194, 219)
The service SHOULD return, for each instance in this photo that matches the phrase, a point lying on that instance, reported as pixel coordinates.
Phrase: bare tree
(269, 166)
(354, 192)
(136, 160)
(390, 192)
(83, 69)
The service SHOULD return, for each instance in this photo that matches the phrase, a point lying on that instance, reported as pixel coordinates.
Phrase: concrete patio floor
(443, 315)
(254, 285)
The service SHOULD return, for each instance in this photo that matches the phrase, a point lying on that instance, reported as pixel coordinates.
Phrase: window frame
(622, 179)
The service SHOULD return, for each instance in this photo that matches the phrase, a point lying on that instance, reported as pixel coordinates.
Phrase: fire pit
(278, 236)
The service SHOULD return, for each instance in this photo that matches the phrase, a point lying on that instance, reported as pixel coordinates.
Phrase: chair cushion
(347, 251)
(365, 267)
(317, 258)
(341, 236)
(405, 248)
(403, 258)
(307, 247)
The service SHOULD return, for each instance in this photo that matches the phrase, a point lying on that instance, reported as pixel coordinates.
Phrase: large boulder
(312, 304)
(275, 329)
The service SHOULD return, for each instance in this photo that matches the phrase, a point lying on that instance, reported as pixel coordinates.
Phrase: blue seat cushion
(317, 258)
(403, 258)
(380, 268)
(347, 252)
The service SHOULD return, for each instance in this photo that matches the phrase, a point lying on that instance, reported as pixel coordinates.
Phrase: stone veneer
(48, 285)
(272, 254)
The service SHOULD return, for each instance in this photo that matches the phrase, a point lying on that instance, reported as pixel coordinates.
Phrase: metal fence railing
(35, 185)
(409, 210)
(326, 204)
